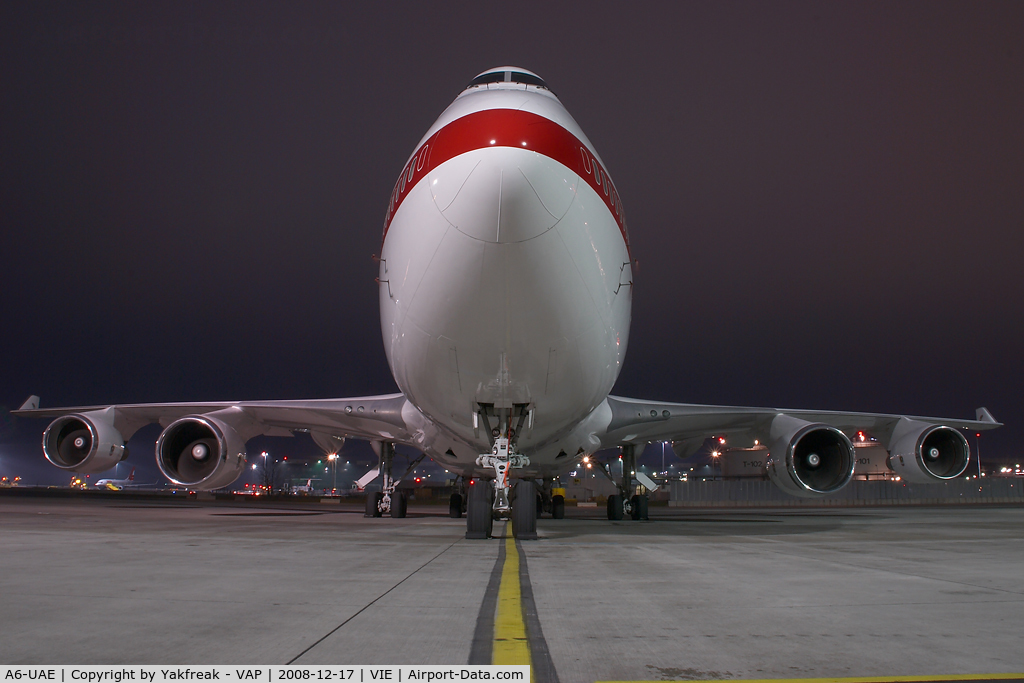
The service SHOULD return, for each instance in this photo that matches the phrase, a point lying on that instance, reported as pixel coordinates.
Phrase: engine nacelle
(925, 453)
(84, 442)
(807, 459)
(200, 452)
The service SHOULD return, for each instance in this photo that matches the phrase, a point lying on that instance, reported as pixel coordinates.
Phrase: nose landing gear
(501, 459)
(504, 498)
(517, 500)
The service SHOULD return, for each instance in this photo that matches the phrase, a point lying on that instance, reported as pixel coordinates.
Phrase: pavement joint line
(371, 603)
(861, 679)
(769, 542)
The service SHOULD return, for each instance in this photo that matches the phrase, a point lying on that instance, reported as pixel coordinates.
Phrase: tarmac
(691, 594)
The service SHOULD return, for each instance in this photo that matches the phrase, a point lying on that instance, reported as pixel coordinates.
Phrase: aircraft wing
(370, 417)
(634, 421)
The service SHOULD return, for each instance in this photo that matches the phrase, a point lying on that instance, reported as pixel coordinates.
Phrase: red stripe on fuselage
(507, 128)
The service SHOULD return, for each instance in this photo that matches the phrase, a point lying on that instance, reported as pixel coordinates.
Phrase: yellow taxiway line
(510, 643)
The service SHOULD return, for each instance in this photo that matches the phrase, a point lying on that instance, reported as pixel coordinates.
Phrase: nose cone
(503, 194)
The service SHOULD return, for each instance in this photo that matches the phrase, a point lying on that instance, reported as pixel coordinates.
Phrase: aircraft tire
(524, 510)
(478, 509)
(399, 505)
(455, 506)
(615, 506)
(558, 507)
(639, 507)
(373, 503)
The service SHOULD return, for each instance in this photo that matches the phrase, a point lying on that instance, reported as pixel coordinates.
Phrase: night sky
(826, 200)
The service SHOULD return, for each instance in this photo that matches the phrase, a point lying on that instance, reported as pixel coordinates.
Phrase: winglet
(32, 403)
(983, 415)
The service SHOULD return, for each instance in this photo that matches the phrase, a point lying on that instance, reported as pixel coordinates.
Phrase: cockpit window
(509, 77)
(495, 77)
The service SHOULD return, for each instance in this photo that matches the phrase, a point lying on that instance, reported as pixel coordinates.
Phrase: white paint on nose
(503, 195)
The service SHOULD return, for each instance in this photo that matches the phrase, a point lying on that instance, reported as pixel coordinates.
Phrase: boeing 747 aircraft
(505, 285)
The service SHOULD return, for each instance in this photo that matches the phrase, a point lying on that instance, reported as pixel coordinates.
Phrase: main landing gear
(627, 502)
(548, 500)
(389, 500)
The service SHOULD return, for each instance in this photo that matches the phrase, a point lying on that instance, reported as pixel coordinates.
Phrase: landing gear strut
(627, 501)
(501, 459)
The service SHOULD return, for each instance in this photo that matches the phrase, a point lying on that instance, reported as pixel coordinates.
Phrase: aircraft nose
(503, 194)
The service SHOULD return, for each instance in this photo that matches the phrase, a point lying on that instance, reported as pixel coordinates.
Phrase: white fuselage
(505, 277)
(117, 484)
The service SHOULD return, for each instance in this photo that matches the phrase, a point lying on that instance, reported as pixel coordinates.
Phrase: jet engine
(84, 442)
(925, 453)
(201, 452)
(807, 459)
